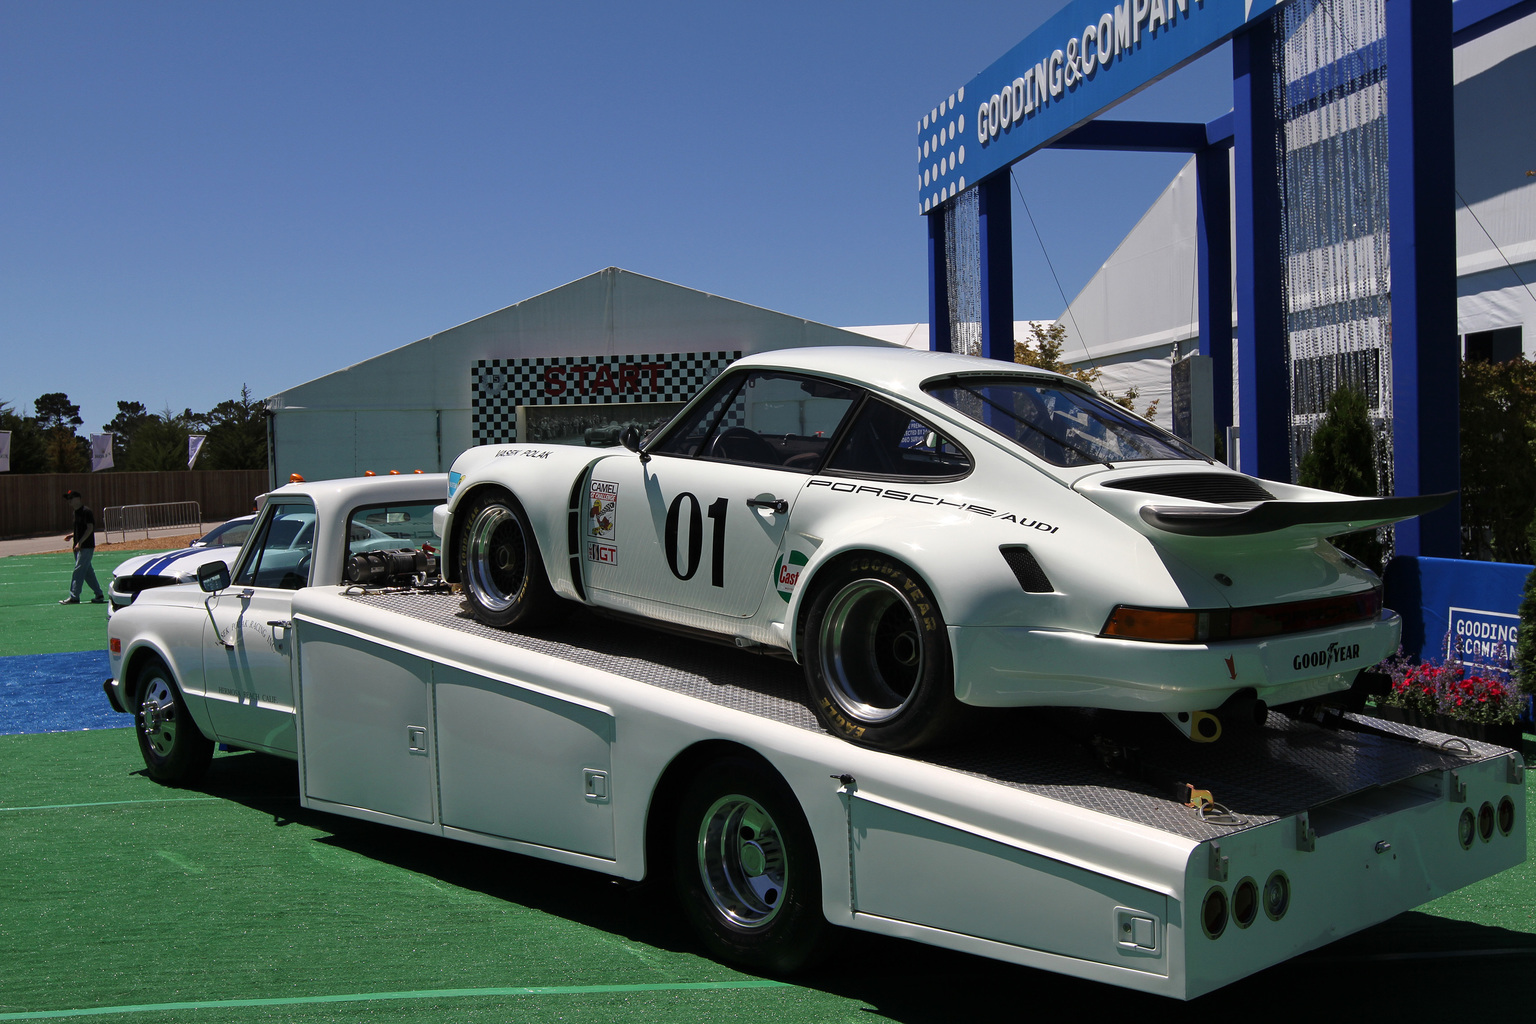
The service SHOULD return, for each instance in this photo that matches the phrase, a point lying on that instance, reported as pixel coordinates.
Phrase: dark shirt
(85, 528)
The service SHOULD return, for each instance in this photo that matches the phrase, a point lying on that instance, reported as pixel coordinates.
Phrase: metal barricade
(147, 519)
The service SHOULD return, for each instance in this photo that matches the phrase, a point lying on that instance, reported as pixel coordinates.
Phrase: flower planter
(1498, 733)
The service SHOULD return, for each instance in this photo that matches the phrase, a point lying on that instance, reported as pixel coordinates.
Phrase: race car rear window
(1061, 425)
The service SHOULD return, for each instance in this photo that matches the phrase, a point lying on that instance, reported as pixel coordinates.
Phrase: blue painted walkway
(56, 693)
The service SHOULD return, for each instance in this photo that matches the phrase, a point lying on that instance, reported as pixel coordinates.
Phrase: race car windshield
(1064, 426)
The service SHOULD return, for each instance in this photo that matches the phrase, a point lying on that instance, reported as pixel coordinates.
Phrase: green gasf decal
(786, 573)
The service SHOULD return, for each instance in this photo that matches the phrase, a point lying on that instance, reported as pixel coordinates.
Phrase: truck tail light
(1213, 912)
(1506, 816)
(1277, 896)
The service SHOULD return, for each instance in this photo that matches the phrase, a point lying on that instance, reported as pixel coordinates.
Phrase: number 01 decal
(675, 514)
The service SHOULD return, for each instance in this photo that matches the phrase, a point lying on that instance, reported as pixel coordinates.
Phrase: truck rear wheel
(499, 562)
(175, 750)
(876, 657)
(746, 867)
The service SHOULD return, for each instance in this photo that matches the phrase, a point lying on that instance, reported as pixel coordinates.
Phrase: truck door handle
(778, 505)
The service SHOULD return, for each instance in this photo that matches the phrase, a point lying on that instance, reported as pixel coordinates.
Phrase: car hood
(177, 564)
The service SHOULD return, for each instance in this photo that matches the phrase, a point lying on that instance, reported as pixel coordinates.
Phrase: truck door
(248, 640)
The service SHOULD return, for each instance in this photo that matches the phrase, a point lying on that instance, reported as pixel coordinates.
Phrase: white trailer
(1043, 842)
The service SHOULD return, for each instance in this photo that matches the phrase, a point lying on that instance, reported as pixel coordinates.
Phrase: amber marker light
(1157, 624)
(1197, 625)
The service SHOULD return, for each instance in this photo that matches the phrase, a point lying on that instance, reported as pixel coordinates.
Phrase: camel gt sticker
(602, 507)
(786, 573)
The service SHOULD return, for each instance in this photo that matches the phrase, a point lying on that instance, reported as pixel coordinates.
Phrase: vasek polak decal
(523, 453)
(915, 498)
(1481, 638)
(1326, 657)
(786, 573)
(602, 518)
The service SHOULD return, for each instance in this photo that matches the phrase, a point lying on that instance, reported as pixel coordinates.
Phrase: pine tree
(1342, 458)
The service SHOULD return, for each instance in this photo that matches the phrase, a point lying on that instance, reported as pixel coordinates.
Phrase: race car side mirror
(212, 577)
(630, 438)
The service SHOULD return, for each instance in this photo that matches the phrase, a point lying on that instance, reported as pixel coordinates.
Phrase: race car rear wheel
(499, 563)
(746, 867)
(175, 750)
(877, 657)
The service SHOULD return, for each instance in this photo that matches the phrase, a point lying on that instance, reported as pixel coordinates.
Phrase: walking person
(83, 542)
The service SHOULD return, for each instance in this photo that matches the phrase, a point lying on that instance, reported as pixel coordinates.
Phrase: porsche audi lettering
(929, 533)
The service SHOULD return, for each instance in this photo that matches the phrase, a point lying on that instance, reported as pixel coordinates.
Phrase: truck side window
(280, 557)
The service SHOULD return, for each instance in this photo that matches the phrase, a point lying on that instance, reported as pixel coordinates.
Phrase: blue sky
(196, 196)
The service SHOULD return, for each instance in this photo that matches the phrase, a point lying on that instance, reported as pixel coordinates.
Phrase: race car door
(248, 640)
(697, 524)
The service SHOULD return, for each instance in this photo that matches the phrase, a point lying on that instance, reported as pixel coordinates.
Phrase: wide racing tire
(876, 657)
(499, 563)
(746, 867)
(175, 750)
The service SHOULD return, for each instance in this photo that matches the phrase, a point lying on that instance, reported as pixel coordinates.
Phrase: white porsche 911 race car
(925, 531)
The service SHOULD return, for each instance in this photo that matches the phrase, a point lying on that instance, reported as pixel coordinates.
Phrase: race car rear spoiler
(1326, 518)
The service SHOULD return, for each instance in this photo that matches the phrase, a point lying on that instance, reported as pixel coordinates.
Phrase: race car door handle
(778, 505)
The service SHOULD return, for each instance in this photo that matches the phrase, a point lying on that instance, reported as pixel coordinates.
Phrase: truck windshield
(1061, 425)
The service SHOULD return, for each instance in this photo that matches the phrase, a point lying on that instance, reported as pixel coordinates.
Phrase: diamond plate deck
(1260, 775)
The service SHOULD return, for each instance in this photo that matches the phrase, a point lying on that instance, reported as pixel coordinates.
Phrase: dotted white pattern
(937, 133)
(498, 386)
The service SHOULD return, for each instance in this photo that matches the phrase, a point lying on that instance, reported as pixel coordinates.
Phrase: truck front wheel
(499, 563)
(746, 867)
(175, 751)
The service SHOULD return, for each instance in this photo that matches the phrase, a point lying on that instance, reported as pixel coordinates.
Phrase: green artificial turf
(31, 587)
(134, 902)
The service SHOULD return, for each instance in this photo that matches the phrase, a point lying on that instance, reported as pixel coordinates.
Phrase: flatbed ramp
(1055, 838)
(1258, 776)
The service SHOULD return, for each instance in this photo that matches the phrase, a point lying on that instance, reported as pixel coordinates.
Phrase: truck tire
(876, 657)
(499, 563)
(175, 750)
(746, 867)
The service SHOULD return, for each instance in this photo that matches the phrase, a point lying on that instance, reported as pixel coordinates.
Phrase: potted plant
(1451, 697)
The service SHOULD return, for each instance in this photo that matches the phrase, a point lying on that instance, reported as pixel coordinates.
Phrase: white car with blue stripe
(145, 572)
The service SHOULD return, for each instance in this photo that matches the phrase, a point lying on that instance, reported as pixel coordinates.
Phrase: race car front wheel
(746, 867)
(877, 657)
(499, 562)
(175, 750)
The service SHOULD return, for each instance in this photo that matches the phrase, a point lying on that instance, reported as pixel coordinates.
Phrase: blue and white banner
(101, 452)
(1087, 57)
(194, 447)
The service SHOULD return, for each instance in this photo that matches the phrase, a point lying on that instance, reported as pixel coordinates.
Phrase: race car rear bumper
(1018, 667)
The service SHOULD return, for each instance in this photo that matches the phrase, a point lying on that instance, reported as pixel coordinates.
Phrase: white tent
(603, 346)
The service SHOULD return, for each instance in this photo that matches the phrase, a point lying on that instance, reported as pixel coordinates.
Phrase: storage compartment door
(367, 724)
(909, 867)
(523, 765)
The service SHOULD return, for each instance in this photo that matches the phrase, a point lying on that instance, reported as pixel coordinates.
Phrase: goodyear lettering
(843, 487)
(1333, 654)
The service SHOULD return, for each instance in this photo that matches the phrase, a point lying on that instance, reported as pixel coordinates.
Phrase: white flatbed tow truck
(1044, 842)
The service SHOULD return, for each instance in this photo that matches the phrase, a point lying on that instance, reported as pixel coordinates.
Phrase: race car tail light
(1026, 570)
(1215, 624)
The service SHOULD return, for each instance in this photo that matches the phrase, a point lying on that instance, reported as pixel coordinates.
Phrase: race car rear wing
(1325, 518)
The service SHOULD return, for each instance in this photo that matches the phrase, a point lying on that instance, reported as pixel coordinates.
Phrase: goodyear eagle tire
(499, 563)
(876, 657)
(746, 867)
(175, 750)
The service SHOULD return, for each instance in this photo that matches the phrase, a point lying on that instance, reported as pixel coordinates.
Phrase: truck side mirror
(212, 577)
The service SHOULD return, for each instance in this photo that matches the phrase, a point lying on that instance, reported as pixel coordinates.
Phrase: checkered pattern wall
(499, 386)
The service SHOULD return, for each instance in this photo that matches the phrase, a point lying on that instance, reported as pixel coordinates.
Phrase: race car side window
(885, 441)
(279, 557)
(763, 418)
